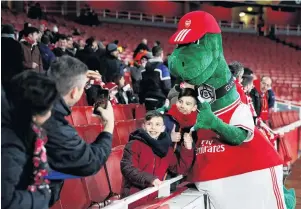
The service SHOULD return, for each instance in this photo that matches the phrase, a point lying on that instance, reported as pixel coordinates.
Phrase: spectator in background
(35, 12)
(136, 74)
(21, 33)
(125, 94)
(254, 94)
(11, 56)
(62, 47)
(142, 46)
(110, 64)
(47, 55)
(32, 59)
(89, 55)
(30, 97)
(237, 71)
(66, 151)
(247, 83)
(70, 45)
(155, 83)
(267, 96)
(55, 35)
(157, 43)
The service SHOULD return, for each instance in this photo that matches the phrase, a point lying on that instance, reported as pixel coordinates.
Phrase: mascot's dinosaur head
(199, 59)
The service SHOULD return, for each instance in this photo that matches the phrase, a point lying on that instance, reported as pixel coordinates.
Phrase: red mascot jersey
(264, 114)
(216, 160)
(241, 92)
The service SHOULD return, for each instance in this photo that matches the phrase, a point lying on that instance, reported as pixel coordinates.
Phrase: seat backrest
(78, 115)
(140, 111)
(91, 132)
(69, 119)
(122, 131)
(118, 113)
(139, 123)
(128, 112)
(91, 118)
(131, 125)
(75, 194)
(97, 186)
(114, 171)
(57, 205)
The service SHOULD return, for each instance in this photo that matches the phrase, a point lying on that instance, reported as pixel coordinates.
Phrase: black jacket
(68, 153)
(17, 167)
(11, 59)
(155, 81)
(110, 66)
(58, 52)
(256, 99)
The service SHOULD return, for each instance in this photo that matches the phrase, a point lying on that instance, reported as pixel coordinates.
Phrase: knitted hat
(111, 47)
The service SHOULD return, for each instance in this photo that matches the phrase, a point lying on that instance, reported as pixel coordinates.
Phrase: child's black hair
(188, 92)
(152, 114)
(246, 80)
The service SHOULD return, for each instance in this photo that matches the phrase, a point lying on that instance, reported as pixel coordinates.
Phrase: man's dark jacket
(68, 153)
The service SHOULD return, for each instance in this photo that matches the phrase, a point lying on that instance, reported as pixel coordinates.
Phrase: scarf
(39, 160)
(182, 119)
(28, 40)
(159, 147)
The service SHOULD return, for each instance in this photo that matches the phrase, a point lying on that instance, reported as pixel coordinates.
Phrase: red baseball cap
(193, 26)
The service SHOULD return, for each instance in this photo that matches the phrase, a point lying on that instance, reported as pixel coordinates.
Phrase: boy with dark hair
(148, 155)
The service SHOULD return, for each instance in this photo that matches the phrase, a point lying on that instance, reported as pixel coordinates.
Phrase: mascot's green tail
(290, 198)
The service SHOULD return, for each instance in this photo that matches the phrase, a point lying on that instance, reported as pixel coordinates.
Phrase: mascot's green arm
(207, 120)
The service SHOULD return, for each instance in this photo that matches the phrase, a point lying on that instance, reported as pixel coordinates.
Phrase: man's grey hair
(67, 72)
(236, 68)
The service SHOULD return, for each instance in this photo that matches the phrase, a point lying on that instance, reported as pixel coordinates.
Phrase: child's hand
(175, 136)
(157, 182)
(188, 141)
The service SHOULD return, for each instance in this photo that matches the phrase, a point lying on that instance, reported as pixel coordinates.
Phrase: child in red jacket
(148, 155)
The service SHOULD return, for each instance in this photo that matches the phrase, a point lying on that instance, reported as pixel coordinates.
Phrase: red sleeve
(182, 165)
(129, 166)
(241, 93)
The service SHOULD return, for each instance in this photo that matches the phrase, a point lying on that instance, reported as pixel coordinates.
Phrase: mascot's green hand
(206, 119)
(164, 108)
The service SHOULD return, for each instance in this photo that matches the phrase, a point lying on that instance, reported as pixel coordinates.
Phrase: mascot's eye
(183, 64)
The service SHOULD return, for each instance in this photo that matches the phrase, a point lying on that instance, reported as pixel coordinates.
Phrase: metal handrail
(163, 191)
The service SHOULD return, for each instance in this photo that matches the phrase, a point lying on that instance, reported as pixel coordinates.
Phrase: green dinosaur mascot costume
(235, 165)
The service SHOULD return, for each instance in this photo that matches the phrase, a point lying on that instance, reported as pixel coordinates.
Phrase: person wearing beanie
(21, 33)
(11, 56)
(47, 55)
(110, 64)
(32, 59)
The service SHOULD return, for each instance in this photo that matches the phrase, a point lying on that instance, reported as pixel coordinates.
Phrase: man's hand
(34, 65)
(93, 75)
(175, 136)
(156, 182)
(188, 141)
(108, 116)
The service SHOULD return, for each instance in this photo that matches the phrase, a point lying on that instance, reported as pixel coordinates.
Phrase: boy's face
(154, 127)
(186, 105)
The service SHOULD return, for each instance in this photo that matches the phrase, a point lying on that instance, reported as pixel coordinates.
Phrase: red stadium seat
(69, 119)
(139, 123)
(128, 112)
(131, 125)
(113, 167)
(122, 131)
(75, 194)
(140, 111)
(57, 205)
(92, 119)
(78, 115)
(98, 187)
(118, 113)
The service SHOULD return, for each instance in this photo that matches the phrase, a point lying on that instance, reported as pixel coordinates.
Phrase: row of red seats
(121, 131)
(83, 115)
(283, 118)
(83, 192)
